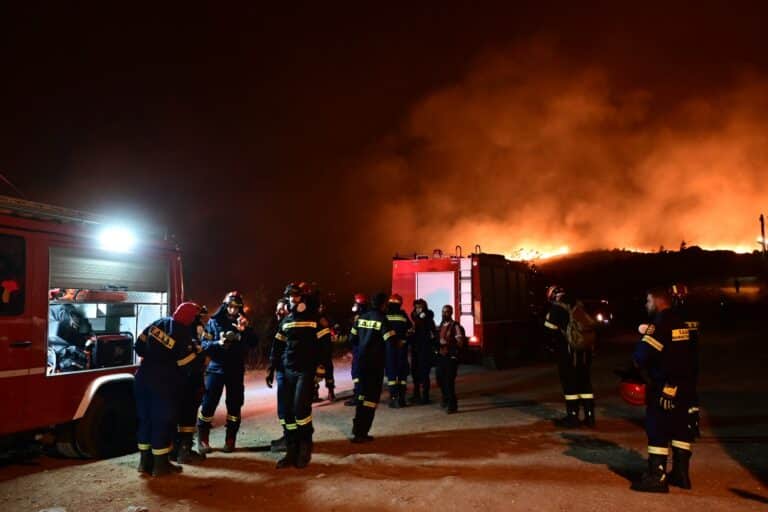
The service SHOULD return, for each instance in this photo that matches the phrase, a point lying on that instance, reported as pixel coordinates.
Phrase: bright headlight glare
(117, 239)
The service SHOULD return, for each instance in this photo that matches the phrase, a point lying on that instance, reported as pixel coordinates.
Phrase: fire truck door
(16, 332)
(438, 289)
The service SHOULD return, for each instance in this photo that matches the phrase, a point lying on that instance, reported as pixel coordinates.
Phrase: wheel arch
(100, 384)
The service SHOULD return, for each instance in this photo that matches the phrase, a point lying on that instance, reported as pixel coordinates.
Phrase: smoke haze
(531, 151)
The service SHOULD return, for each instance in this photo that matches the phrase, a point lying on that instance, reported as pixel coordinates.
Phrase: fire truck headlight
(474, 340)
(599, 317)
(117, 239)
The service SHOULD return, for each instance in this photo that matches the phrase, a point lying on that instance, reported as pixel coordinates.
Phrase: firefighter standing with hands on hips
(229, 337)
(302, 337)
(370, 333)
(452, 339)
(397, 352)
(166, 348)
(665, 353)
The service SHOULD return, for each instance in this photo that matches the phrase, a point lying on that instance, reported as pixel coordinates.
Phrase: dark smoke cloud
(531, 150)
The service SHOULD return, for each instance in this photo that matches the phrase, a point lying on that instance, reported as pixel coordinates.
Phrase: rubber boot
(416, 397)
(655, 480)
(571, 418)
(401, 395)
(359, 434)
(291, 454)
(203, 442)
(693, 423)
(681, 462)
(146, 462)
(394, 403)
(331, 394)
(316, 397)
(589, 412)
(425, 397)
(162, 466)
(185, 454)
(229, 442)
(305, 454)
(278, 445)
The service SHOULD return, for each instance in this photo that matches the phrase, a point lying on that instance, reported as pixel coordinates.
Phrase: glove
(667, 399)
(270, 376)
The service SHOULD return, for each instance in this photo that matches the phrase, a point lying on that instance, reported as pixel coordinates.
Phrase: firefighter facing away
(166, 348)
(665, 353)
(452, 339)
(573, 336)
(301, 337)
(370, 333)
(397, 352)
(325, 368)
(359, 307)
(422, 350)
(229, 337)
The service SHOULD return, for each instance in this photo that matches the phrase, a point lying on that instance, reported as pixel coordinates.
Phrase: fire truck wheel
(65, 444)
(108, 428)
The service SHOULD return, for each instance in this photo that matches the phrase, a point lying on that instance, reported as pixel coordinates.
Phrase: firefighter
(325, 368)
(422, 351)
(397, 352)
(229, 339)
(302, 338)
(360, 307)
(680, 296)
(166, 348)
(664, 353)
(452, 339)
(276, 370)
(370, 333)
(574, 364)
(191, 397)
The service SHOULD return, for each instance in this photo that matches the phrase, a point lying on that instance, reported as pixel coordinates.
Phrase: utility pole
(762, 233)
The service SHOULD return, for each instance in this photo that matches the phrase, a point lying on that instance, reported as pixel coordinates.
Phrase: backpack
(580, 333)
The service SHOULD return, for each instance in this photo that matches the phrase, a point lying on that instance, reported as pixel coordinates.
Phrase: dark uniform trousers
(575, 370)
(371, 380)
(214, 386)
(421, 365)
(157, 402)
(667, 427)
(396, 364)
(294, 402)
(355, 371)
(447, 369)
(192, 392)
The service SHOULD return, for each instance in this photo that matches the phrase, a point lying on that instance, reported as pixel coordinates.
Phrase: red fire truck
(75, 291)
(489, 294)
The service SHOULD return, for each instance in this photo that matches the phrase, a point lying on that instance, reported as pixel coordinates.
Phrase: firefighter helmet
(233, 298)
(396, 298)
(186, 313)
(361, 298)
(553, 291)
(291, 290)
(632, 392)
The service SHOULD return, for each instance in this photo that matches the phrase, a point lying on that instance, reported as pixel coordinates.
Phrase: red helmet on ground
(395, 298)
(186, 313)
(632, 392)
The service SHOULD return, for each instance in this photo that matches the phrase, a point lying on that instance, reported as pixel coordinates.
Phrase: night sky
(312, 143)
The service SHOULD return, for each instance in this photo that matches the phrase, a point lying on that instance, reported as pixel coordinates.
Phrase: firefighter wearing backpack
(229, 339)
(665, 354)
(166, 348)
(573, 336)
(397, 352)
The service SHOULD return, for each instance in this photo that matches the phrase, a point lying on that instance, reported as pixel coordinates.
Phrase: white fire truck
(75, 292)
(489, 294)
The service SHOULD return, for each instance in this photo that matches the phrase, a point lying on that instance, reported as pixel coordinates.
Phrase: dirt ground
(501, 452)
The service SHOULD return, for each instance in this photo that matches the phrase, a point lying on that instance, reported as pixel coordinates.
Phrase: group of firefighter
(187, 364)
(173, 380)
(663, 375)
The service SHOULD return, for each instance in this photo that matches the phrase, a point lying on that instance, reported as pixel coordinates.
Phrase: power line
(12, 186)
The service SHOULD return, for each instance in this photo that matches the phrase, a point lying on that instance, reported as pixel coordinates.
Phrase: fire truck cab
(489, 294)
(74, 294)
